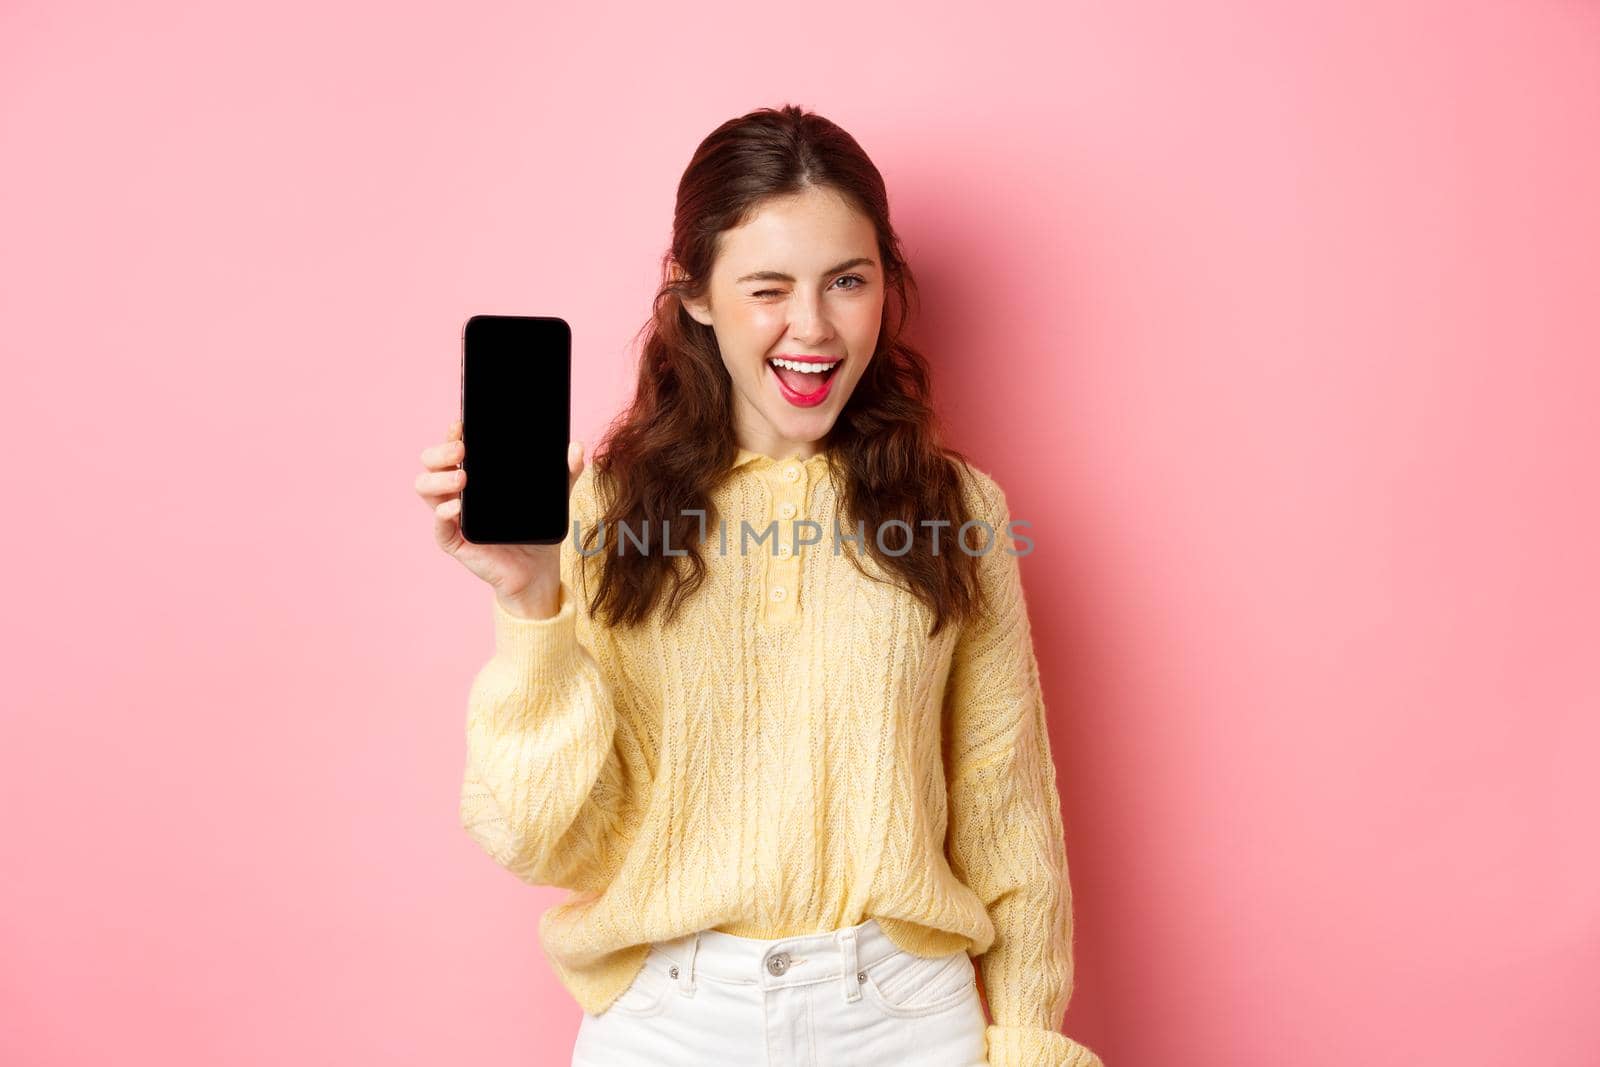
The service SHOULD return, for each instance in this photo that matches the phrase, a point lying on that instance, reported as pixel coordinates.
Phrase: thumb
(574, 463)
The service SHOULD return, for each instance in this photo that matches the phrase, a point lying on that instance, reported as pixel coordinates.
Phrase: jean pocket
(650, 993)
(908, 985)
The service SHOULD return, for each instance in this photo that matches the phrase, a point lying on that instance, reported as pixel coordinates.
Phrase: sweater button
(779, 963)
(778, 592)
(791, 473)
(787, 509)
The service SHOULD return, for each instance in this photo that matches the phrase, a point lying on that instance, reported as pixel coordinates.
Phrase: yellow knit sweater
(792, 754)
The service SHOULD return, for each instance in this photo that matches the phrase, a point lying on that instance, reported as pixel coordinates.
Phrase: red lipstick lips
(796, 386)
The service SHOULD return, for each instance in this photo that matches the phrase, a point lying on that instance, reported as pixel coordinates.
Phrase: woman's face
(801, 279)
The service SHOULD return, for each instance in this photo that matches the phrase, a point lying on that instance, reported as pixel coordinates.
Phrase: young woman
(772, 714)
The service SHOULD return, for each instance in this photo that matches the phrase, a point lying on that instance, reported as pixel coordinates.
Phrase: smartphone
(516, 415)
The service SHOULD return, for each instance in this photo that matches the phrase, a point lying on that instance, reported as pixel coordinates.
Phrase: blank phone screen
(516, 399)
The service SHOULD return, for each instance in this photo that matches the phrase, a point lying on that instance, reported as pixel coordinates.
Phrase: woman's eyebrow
(778, 276)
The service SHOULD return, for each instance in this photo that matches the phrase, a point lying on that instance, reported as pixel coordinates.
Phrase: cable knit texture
(791, 755)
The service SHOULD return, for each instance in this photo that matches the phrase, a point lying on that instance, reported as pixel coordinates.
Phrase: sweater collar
(745, 457)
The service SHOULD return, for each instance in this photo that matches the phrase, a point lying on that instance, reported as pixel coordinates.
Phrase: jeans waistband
(784, 961)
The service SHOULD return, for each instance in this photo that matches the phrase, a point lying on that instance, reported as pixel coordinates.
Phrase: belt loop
(686, 982)
(847, 946)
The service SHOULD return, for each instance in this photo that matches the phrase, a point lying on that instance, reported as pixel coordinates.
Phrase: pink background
(1279, 324)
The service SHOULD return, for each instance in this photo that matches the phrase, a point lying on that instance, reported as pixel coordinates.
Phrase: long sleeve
(1005, 839)
(553, 781)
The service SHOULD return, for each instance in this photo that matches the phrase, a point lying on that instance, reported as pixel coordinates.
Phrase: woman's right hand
(526, 578)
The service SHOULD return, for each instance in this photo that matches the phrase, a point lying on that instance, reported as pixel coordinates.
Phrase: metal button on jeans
(779, 963)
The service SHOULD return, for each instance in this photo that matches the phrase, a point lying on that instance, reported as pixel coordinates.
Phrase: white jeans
(847, 998)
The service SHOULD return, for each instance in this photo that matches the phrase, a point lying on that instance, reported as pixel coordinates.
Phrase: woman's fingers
(443, 476)
(441, 486)
(438, 486)
(447, 524)
(444, 455)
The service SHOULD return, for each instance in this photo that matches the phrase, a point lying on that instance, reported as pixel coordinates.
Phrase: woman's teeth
(804, 368)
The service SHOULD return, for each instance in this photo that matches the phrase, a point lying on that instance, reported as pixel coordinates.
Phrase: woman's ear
(698, 309)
